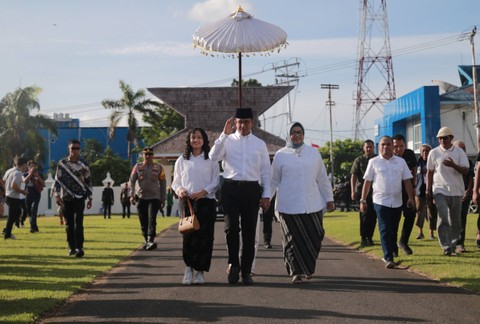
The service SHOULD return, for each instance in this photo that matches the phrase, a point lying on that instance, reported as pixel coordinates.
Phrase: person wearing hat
(446, 164)
(246, 165)
(151, 193)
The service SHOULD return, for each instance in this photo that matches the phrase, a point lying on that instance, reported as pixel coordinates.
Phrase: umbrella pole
(239, 79)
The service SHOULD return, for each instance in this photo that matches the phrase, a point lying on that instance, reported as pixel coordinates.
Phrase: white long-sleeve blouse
(300, 179)
(196, 174)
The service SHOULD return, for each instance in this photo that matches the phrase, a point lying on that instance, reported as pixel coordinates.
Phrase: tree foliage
(163, 121)
(110, 162)
(344, 153)
(132, 102)
(19, 135)
(246, 83)
(92, 150)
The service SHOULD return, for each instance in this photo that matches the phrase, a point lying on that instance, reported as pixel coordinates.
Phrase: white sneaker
(199, 278)
(187, 277)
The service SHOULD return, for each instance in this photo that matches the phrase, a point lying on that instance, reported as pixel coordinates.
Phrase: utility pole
(330, 104)
(286, 77)
(475, 93)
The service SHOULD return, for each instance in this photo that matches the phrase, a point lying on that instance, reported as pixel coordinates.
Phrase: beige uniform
(150, 179)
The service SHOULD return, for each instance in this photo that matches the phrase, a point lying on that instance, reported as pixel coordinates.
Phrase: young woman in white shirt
(196, 177)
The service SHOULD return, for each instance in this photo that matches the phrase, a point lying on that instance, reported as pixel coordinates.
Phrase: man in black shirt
(368, 219)
(399, 149)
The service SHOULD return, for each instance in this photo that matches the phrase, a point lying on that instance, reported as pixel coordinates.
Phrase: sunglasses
(147, 153)
(444, 138)
(75, 148)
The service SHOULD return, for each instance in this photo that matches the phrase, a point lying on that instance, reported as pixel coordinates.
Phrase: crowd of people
(436, 187)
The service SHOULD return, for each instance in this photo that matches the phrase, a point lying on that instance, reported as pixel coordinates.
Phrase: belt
(241, 183)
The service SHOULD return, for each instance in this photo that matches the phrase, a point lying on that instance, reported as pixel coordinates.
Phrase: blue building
(69, 128)
(419, 114)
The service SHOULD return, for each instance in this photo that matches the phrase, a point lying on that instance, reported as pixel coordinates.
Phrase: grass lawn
(427, 257)
(36, 274)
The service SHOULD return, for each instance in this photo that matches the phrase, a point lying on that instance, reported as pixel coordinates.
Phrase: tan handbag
(190, 223)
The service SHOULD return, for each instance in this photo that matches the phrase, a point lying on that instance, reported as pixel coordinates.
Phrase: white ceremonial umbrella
(239, 33)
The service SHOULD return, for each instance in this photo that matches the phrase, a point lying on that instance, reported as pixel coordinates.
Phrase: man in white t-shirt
(445, 166)
(385, 173)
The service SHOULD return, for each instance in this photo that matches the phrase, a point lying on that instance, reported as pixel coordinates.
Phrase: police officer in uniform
(151, 193)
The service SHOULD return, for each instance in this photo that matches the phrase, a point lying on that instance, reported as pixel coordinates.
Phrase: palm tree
(131, 102)
(19, 134)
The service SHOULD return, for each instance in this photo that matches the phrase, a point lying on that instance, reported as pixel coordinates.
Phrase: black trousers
(147, 214)
(23, 214)
(14, 212)
(73, 214)
(107, 210)
(241, 200)
(368, 220)
(409, 215)
(198, 245)
(267, 222)
(126, 210)
(465, 206)
(33, 200)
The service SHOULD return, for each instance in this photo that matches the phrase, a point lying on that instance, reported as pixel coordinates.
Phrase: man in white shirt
(386, 173)
(246, 165)
(445, 166)
(13, 182)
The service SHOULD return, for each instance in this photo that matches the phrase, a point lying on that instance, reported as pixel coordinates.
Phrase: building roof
(464, 93)
(209, 108)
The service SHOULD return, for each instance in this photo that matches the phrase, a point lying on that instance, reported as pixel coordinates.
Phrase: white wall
(96, 203)
(460, 119)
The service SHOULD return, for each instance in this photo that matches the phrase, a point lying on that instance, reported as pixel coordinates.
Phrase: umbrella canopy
(239, 33)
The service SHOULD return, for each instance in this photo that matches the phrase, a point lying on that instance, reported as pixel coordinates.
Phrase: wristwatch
(363, 201)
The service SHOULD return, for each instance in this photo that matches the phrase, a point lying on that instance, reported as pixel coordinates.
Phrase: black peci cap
(244, 113)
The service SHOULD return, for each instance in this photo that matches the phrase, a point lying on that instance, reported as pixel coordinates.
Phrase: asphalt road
(348, 286)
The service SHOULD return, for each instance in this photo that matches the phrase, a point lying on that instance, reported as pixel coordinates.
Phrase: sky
(77, 51)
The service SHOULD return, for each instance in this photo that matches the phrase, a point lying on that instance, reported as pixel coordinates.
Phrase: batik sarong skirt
(302, 236)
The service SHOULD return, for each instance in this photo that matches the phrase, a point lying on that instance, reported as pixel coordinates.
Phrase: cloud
(335, 48)
(163, 48)
(211, 10)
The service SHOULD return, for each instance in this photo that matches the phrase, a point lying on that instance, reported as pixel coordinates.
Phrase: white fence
(48, 206)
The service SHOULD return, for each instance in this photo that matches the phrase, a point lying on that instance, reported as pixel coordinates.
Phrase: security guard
(150, 192)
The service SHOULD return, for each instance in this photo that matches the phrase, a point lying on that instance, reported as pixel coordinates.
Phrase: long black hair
(205, 146)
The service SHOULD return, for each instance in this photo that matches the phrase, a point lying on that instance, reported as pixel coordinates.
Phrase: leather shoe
(363, 241)
(268, 245)
(79, 253)
(233, 275)
(369, 241)
(247, 280)
(405, 248)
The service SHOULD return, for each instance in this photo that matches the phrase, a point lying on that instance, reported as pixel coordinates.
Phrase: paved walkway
(348, 287)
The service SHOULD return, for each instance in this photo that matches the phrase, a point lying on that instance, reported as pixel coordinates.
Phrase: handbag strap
(190, 206)
(182, 207)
